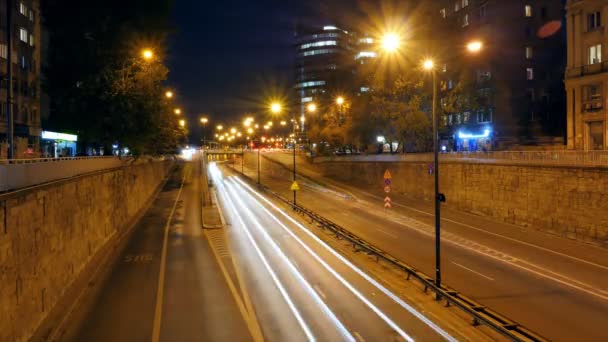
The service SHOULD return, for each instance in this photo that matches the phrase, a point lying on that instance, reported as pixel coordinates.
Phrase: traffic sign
(387, 174)
(387, 202)
(387, 182)
(294, 186)
(387, 189)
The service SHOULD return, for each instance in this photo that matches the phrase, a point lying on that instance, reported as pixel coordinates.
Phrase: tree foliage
(99, 86)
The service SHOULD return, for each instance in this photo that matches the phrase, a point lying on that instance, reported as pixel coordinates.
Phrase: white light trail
(275, 279)
(379, 286)
(345, 333)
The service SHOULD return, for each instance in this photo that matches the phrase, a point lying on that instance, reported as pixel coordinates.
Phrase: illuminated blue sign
(486, 133)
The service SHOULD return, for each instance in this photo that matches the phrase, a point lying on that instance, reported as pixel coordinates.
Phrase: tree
(99, 86)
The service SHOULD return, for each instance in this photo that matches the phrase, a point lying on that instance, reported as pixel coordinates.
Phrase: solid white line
(591, 263)
(163, 261)
(472, 271)
(387, 233)
(384, 290)
(331, 315)
(273, 275)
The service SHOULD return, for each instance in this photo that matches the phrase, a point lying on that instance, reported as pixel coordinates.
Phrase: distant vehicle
(347, 151)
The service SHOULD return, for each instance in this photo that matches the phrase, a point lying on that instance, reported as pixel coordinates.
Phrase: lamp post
(391, 43)
(204, 121)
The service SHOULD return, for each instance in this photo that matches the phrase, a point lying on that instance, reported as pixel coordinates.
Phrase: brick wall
(48, 235)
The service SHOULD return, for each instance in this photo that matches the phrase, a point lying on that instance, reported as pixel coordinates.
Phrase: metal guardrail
(53, 160)
(479, 313)
(541, 158)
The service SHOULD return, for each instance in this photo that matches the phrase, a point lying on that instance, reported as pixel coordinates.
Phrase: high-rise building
(26, 32)
(517, 76)
(587, 75)
(324, 62)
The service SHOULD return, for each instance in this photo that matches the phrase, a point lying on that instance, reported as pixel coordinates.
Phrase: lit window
(319, 44)
(317, 52)
(465, 20)
(3, 51)
(31, 40)
(457, 6)
(31, 15)
(23, 9)
(306, 99)
(445, 68)
(529, 74)
(594, 21)
(528, 10)
(310, 84)
(364, 89)
(23, 35)
(365, 54)
(529, 52)
(595, 54)
(466, 117)
(465, 3)
(443, 13)
(327, 28)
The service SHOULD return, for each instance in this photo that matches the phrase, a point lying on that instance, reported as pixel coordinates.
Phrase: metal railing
(542, 158)
(480, 314)
(22, 173)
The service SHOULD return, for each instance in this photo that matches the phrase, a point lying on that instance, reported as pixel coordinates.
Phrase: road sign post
(294, 187)
(387, 188)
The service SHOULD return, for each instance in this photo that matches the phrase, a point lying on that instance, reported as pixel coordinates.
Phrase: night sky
(227, 56)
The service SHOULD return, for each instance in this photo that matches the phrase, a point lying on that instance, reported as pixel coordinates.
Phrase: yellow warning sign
(387, 174)
(295, 186)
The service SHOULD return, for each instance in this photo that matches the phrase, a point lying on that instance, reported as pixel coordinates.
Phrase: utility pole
(9, 88)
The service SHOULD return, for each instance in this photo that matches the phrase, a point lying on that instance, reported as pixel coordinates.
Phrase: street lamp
(219, 127)
(475, 46)
(182, 123)
(169, 94)
(147, 54)
(177, 111)
(275, 108)
(340, 100)
(391, 42)
(204, 121)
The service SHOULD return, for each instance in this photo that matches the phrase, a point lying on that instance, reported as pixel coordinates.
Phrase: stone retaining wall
(49, 234)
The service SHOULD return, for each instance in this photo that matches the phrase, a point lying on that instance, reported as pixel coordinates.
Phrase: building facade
(587, 75)
(516, 77)
(26, 58)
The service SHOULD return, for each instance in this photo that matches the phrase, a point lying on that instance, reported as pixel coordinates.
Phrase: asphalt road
(554, 286)
(167, 285)
(300, 287)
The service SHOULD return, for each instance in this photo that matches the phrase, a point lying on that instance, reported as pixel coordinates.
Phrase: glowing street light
(428, 64)
(219, 127)
(233, 130)
(250, 130)
(177, 111)
(169, 94)
(147, 54)
(340, 100)
(311, 107)
(275, 107)
(391, 42)
(283, 123)
(204, 120)
(182, 123)
(475, 46)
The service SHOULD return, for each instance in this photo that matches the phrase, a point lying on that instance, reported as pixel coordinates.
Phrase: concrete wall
(49, 234)
(567, 201)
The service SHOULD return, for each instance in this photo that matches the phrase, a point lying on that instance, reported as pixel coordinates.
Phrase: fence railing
(549, 158)
(21, 173)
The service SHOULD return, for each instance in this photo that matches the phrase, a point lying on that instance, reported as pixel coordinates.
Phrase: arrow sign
(387, 174)
(387, 202)
(295, 186)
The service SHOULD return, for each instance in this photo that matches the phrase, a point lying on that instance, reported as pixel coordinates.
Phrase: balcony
(590, 69)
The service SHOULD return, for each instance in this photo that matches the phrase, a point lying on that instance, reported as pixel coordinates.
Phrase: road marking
(163, 263)
(387, 233)
(358, 336)
(472, 271)
(591, 263)
(249, 317)
(320, 292)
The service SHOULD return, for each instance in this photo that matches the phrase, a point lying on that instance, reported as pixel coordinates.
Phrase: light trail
(336, 275)
(345, 333)
(376, 284)
(274, 277)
